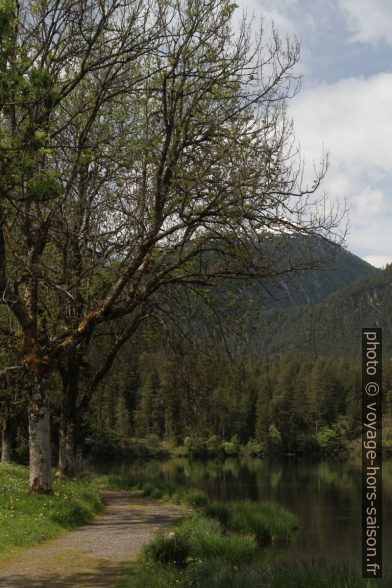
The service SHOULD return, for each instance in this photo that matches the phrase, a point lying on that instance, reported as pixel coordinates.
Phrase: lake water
(325, 496)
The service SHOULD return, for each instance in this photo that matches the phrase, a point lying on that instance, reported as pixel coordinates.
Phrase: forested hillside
(332, 327)
(336, 268)
(297, 372)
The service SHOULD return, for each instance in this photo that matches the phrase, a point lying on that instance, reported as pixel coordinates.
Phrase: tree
(51, 55)
(13, 388)
(142, 146)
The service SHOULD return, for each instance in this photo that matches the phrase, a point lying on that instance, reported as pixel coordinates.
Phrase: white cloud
(352, 119)
(369, 204)
(369, 21)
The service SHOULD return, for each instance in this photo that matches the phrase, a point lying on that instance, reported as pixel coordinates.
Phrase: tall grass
(199, 538)
(28, 520)
(266, 520)
(218, 573)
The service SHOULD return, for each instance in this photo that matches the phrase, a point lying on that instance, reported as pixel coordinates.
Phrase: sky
(344, 106)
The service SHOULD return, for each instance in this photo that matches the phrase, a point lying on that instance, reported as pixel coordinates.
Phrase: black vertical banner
(372, 453)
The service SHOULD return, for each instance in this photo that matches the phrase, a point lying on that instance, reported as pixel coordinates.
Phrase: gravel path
(95, 555)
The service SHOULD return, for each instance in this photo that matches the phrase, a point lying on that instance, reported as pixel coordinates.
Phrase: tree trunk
(6, 442)
(69, 417)
(40, 481)
(67, 448)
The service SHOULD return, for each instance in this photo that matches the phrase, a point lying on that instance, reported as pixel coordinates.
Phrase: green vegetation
(217, 573)
(160, 571)
(297, 404)
(72, 295)
(200, 538)
(265, 520)
(28, 520)
(156, 488)
(332, 443)
(331, 326)
(292, 404)
(217, 547)
(211, 547)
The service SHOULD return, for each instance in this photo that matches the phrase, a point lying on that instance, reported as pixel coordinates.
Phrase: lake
(325, 496)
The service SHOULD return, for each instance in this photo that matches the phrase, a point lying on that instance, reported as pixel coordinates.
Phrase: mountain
(335, 268)
(333, 326)
(299, 310)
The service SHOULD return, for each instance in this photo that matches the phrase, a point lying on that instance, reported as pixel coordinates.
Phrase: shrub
(149, 487)
(195, 447)
(213, 446)
(231, 448)
(274, 440)
(254, 448)
(104, 443)
(332, 443)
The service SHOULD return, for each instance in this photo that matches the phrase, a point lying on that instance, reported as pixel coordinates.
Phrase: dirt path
(95, 555)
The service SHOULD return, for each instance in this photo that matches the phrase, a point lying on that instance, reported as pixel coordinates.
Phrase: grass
(198, 538)
(217, 545)
(158, 489)
(214, 547)
(28, 520)
(218, 573)
(266, 520)
(207, 539)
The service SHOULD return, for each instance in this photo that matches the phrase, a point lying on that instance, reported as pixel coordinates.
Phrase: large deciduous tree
(51, 54)
(143, 146)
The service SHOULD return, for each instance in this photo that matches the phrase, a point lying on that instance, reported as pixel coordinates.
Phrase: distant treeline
(206, 406)
(286, 405)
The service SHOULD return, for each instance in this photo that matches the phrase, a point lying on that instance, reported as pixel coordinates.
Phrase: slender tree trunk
(67, 448)
(40, 481)
(69, 418)
(6, 442)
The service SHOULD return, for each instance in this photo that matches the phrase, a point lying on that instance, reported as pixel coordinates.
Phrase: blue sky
(345, 105)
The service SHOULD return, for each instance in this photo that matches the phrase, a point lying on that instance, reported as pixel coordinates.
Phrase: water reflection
(325, 496)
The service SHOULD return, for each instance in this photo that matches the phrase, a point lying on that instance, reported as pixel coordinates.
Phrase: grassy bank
(219, 546)
(28, 520)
